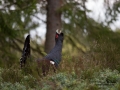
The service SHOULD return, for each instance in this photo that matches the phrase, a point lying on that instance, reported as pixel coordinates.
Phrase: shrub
(11, 75)
(29, 81)
(10, 86)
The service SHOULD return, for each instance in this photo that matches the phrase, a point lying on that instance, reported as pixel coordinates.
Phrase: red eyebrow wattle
(56, 36)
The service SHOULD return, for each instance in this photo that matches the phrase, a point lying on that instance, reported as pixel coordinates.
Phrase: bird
(25, 52)
(53, 58)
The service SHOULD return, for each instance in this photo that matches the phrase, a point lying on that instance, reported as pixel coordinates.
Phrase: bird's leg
(54, 68)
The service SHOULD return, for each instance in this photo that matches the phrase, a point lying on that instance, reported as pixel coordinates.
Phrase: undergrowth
(72, 74)
(88, 80)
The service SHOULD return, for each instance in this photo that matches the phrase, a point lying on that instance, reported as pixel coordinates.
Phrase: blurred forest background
(89, 45)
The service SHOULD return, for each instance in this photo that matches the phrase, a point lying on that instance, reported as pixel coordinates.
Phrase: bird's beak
(58, 31)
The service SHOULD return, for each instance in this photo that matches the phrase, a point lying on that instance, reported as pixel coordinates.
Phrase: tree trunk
(53, 22)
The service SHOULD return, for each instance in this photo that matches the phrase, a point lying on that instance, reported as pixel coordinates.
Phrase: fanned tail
(25, 52)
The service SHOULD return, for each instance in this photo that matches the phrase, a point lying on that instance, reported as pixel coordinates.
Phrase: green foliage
(11, 75)
(10, 86)
(106, 78)
(74, 25)
(101, 80)
(88, 74)
(16, 19)
(92, 87)
(96, 45)
(29, 81)
(105, 47)
(84, 35)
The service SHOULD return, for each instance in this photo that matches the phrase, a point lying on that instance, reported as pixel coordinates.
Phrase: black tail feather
(25, 52)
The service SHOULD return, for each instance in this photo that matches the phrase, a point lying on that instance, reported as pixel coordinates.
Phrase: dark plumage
(25, 52)
(55, 53)
(53, 58)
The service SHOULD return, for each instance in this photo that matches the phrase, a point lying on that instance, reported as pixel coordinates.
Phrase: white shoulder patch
(52, 62)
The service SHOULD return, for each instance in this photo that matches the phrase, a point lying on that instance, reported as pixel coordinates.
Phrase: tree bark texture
(53, 22)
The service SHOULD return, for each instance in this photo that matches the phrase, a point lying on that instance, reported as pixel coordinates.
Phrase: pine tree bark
(53, 22)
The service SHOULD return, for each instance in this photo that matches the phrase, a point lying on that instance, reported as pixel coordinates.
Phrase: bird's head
(59, 36)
